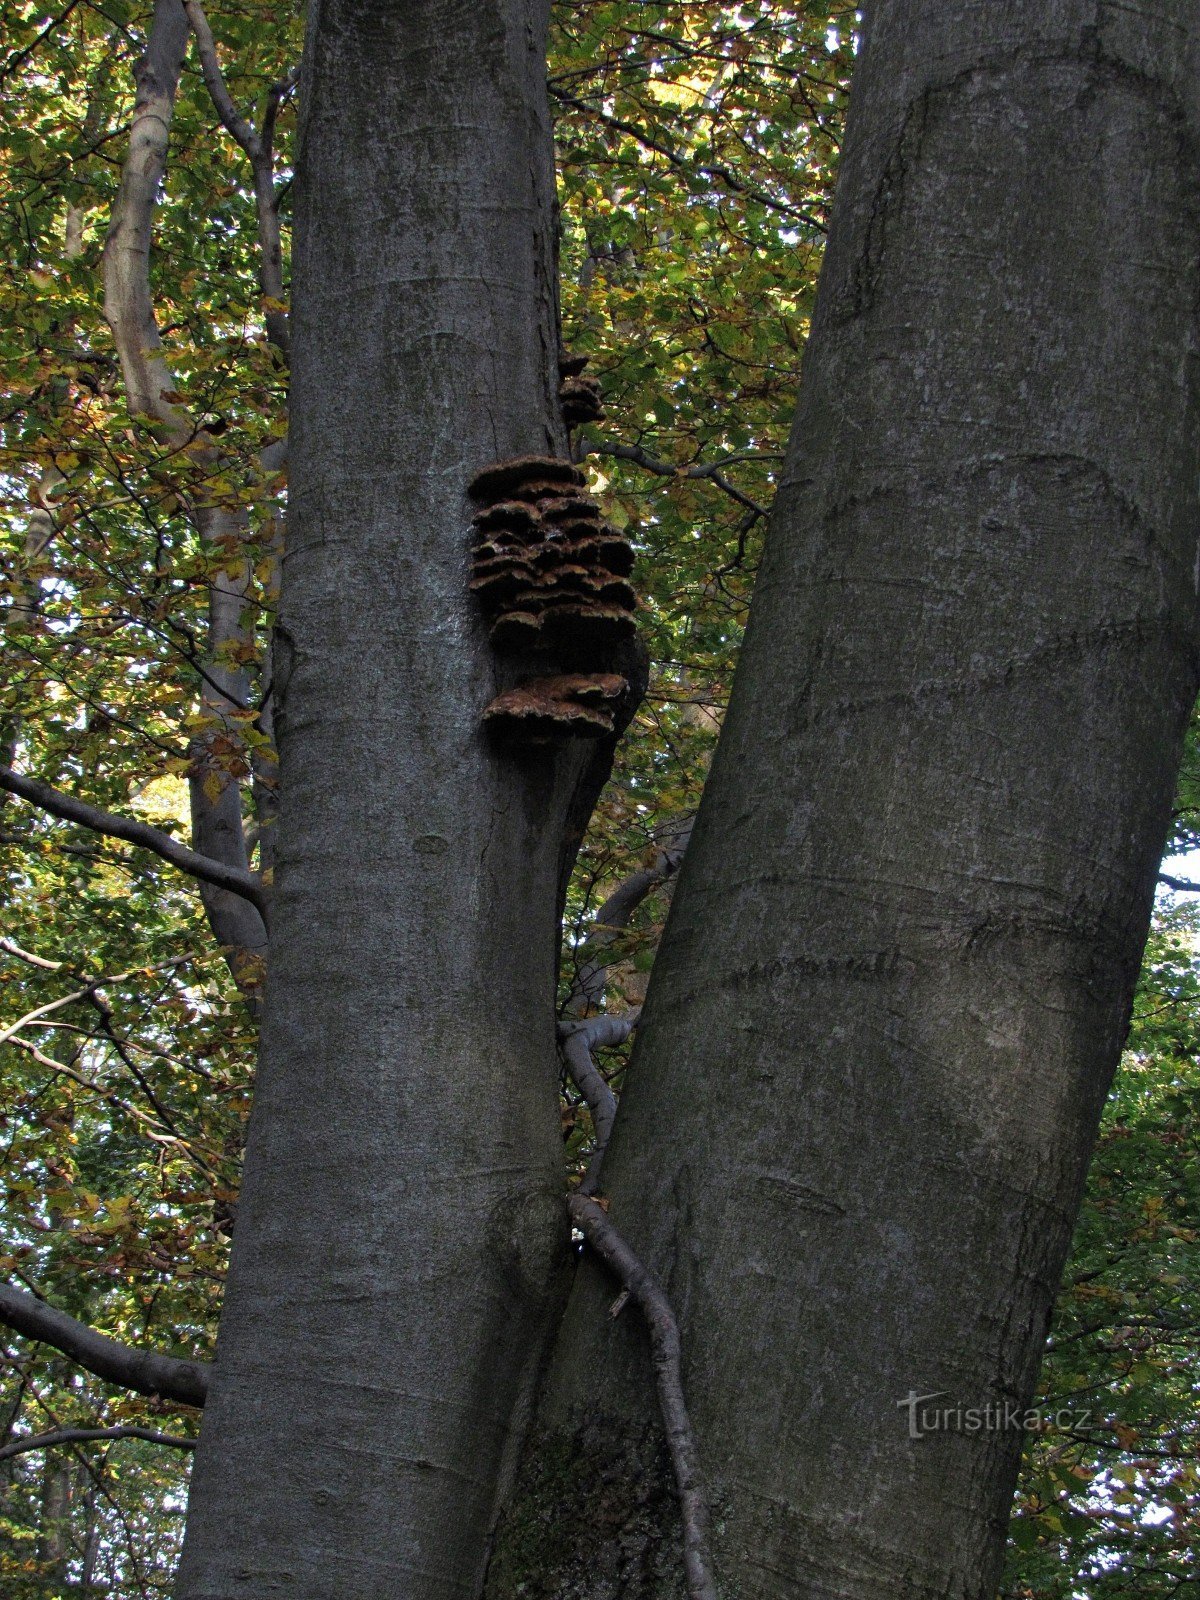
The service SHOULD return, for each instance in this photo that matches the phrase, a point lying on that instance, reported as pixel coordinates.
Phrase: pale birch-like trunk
(215, 795)
(898, 970)
(402, 1216)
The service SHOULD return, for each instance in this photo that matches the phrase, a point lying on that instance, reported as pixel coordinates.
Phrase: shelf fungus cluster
(579, 397)
(552, 578)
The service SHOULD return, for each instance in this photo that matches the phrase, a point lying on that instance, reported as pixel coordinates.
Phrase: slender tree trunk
(898, 970)
(54, 1532)
(402, 1221)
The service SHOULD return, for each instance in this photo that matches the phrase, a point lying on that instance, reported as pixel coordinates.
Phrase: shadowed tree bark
(898, 970)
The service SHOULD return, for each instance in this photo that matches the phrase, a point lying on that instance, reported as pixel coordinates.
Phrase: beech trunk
(402, 1220)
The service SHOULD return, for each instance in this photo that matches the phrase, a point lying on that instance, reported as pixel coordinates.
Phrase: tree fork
(897, 972)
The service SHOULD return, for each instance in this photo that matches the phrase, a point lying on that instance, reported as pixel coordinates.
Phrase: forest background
(697, 149)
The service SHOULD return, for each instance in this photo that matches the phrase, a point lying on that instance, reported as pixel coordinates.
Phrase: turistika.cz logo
(993, 1417)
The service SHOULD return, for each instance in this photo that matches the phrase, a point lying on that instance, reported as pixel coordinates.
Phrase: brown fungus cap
(501, 479)
(546, 710)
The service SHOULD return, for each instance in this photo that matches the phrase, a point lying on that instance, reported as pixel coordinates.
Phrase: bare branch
(682, 163)
(153, 1128)
(127, 304)
(236, 880)
(14, 949)
(19, 57)
(614, 915)
(664, 469)
(259, 149)
(1184, 885)
(46, 1441)
(150, 388)
(589, 1217)
(144, 1371)
(215, 82)
(278, 93)
(577, 1041)
(84, 993)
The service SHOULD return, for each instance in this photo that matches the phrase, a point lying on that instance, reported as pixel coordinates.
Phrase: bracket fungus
(547, 710)
(552, 579)
(579, 397)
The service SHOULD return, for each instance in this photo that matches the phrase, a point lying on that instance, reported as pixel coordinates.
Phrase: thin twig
(664, 469)
(709, 169)
(84, 993)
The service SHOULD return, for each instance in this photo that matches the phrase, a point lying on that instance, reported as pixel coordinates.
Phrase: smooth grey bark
(401, 1223)
(898, 970)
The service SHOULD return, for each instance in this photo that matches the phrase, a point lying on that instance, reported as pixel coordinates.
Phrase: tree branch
(84, 993)
(45, 1441)
(664, 469)
(590, 1217)
(234, 879)
(708, 169)
(144, 1371)
(577, 1041)
(1184, 885)
(150, 387)
(128, 307)
(214, 80)
(259, 150)
(614, 915)
(14, 949)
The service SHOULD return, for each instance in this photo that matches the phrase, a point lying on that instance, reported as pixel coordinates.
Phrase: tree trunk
(898, 971)
(401, 1221)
